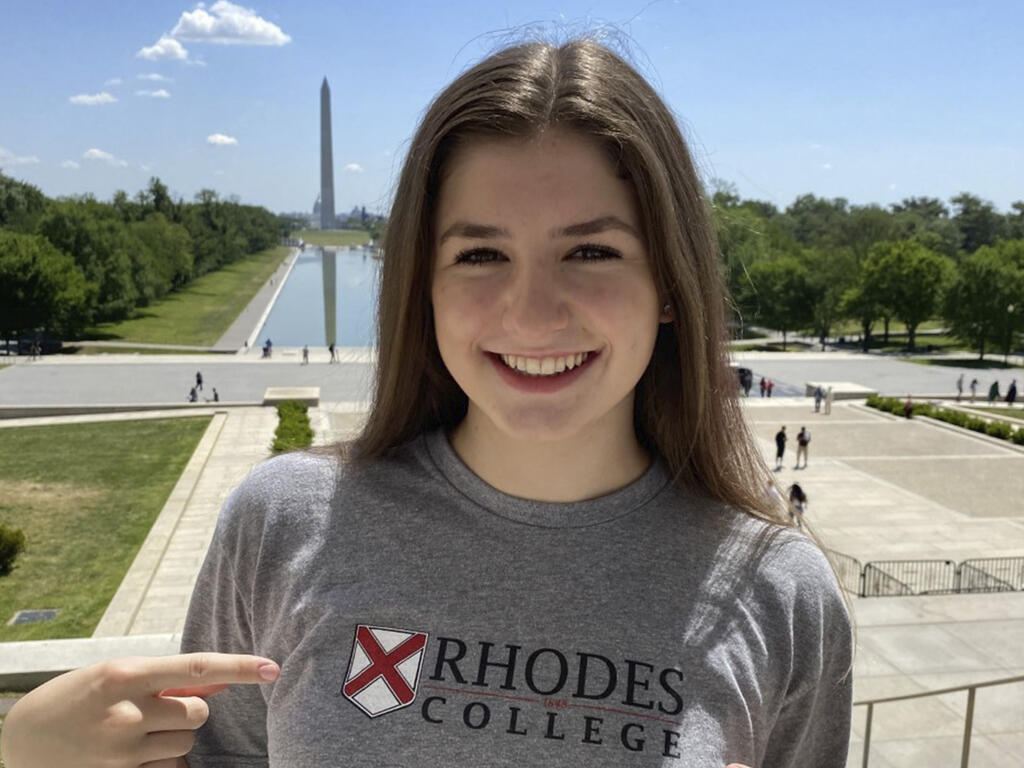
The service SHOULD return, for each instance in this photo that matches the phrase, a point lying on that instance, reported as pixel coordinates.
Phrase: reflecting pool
(302, 312)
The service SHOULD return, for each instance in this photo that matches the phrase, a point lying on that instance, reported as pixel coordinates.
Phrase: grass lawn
(88, 349)
(1015, 413)
(203, 311)
(852, 328)
(898, 342)
(86, 496)
(333, 236)
(792, 346)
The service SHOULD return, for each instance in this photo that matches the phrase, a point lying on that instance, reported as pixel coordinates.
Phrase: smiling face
(540, 265)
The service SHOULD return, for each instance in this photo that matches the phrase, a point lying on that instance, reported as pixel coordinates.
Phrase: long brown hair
(686, 405)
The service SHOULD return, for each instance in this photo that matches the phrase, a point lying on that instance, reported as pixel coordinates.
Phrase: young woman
(540, 550)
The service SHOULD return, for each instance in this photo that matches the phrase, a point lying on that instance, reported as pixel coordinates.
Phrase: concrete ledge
(841, 390)
(997, 441)
(308, 395)
(25, 665)
(35, 411)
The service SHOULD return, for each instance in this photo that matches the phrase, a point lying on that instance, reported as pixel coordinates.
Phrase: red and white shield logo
(384, 669)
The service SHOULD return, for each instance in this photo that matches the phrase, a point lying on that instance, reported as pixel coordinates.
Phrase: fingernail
(269, 671)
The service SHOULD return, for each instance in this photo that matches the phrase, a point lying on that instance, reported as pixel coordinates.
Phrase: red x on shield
(383, 666)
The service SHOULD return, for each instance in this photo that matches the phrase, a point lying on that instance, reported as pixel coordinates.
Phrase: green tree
(21, 205)
(978, 221)
(907, 279)
(815, 221)
(984, 302)
(1014, 227)
(40, 287)
(171, 249)
(859, 303)
(777, 294)
(830, 272)
(97, 241)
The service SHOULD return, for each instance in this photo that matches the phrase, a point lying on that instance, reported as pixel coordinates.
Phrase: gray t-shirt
(423, 618)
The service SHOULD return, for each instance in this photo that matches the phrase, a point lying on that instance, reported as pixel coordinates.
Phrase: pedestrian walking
(344, 615)
(993, 392)
(803, 440)
(819, 395)
(305, 354)
(199, 381)
(764, 386)
(216, 397)
(1011, 393)
(908, 408)
(330, 348)
(771, 386)
(959, 387)
(193, 396)
(780, 446)
(797, 505)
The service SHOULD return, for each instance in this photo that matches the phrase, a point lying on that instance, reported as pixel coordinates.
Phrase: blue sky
(871, 101)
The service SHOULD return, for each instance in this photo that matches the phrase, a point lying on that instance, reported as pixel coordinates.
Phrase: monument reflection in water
(333, 291)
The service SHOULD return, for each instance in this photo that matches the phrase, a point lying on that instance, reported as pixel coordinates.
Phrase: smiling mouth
(546, 366)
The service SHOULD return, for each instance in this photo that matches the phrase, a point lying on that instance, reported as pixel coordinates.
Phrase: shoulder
(276, 487)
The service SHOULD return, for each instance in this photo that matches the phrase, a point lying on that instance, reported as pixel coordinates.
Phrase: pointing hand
(125, 712)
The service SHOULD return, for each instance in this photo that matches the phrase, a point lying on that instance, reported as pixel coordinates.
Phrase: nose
(535, 303)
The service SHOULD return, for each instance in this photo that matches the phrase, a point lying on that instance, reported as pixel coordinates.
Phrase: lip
(541, 384)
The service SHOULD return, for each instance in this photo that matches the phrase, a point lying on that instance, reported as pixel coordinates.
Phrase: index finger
(207, 668)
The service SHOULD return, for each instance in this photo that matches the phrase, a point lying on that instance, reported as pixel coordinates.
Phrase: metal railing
(909, 577)
(991, 574)
(888, 578)
(965, 751)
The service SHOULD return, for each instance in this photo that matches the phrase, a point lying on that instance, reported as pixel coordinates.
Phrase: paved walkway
(887, 488)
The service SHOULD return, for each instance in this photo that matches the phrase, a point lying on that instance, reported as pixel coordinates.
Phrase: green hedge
(293, 430)
(1001, 429)
(12, 544)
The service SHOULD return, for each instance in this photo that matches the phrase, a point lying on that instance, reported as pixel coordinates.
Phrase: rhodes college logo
(384, 669)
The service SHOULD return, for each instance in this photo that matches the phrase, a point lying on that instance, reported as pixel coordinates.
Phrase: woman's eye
(583, 253)
(477, 256)
(596, 253)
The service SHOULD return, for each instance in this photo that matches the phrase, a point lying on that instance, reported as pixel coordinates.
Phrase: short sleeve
(813, 725)
(220, 619)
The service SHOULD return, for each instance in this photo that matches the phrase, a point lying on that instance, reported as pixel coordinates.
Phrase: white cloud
(160, 93)
(92, 99)
(70, 164)
(9, 158)
(144, 167)
(826, 166)
(156, 78)
(219, 139)
(354, 168)
(99, 154)
(113, 81)
(164, 48)
(228, 24)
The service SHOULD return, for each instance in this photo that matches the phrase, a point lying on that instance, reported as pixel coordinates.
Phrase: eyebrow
(473, 231)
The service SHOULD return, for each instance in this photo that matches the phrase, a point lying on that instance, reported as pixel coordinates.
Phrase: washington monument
(326, 160)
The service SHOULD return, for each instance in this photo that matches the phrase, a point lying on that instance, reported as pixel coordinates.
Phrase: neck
(585, 466)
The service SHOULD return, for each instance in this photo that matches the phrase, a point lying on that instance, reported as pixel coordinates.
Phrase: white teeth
(544, 366)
